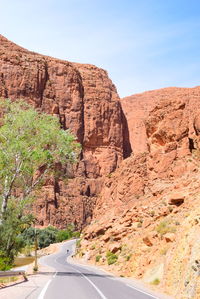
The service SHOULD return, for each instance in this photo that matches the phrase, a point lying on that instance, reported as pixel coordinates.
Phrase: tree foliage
(32, 145)
(14, 222)
(48, 235)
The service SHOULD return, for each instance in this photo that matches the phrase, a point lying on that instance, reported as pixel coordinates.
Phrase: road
(60, 278)
(74, 281)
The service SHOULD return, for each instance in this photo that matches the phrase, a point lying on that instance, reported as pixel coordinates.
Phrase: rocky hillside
(137, 180)
(86, 102)
(146, 221)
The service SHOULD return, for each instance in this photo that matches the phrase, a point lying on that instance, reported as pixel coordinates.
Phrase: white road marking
(141, 291)
(110, 277)
(41, 296)
(94, 286)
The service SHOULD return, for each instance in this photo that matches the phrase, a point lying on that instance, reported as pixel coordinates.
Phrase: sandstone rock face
(136, 109)
(167, 112)
(150, 202)
(163, 147)
(85, 101)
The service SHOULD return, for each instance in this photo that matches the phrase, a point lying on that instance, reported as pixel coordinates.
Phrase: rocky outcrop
(149, 205)
(85, 101)
(167, 139)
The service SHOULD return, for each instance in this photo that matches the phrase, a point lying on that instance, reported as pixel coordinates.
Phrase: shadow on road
(76, 274)
(13, 284)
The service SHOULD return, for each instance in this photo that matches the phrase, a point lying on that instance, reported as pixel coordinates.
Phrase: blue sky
(143, 44)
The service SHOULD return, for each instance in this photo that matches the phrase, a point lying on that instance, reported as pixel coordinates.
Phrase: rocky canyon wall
(147, 212)
(85, 101)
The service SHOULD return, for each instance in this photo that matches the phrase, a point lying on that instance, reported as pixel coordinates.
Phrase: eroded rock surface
(149, 205)
(85, 100)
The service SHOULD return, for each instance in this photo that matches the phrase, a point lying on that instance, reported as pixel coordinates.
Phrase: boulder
(169, 237)
(176, 199)
(114, 247)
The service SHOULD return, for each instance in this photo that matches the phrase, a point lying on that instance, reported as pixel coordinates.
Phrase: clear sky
(143, 44)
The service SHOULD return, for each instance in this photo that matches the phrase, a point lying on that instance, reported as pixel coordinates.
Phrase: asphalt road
(72, 281)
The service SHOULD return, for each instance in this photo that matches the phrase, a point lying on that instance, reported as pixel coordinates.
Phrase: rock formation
(149, 206)
(86, 102)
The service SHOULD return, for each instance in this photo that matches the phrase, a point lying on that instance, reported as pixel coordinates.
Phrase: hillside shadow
(127, 149)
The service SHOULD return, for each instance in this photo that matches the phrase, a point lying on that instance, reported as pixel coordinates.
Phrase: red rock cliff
(148, 210)
(85, 101)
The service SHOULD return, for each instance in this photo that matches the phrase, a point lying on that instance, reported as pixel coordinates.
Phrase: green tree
(32, 145)
(46, 237)
(11, 241)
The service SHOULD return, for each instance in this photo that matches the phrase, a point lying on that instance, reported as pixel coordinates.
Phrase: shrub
(163, 251)
(48, 235)
(5, 263)
(111, 258)
(152, 213)
(35, 268)
(45, 236)
(165, 227)
(27, 250)
(67, 233)
(98, 257)
(76, 235)
(127, 258)
(155, 282)
(29, 235)
(170, 209)
(177, 223)
(78, 243)
(63, 235)
(109, 175)
(93, 247)
(139, 224)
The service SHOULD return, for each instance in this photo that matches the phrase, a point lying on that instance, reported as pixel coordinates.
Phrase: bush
(48, 235)
(35, 268)
(111, 258)
(152, 213)
(45, 236)
(63, 235)
(27, 250)
(163, 251)
(155, 282)
(5, 263)
(78, 243)
(127, 258)
(29, 236)
(76, 235)
(98, 257)
(11, 242)
(165, 227)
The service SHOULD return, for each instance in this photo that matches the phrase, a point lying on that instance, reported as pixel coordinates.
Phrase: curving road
(62, 279)
(71, 281)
